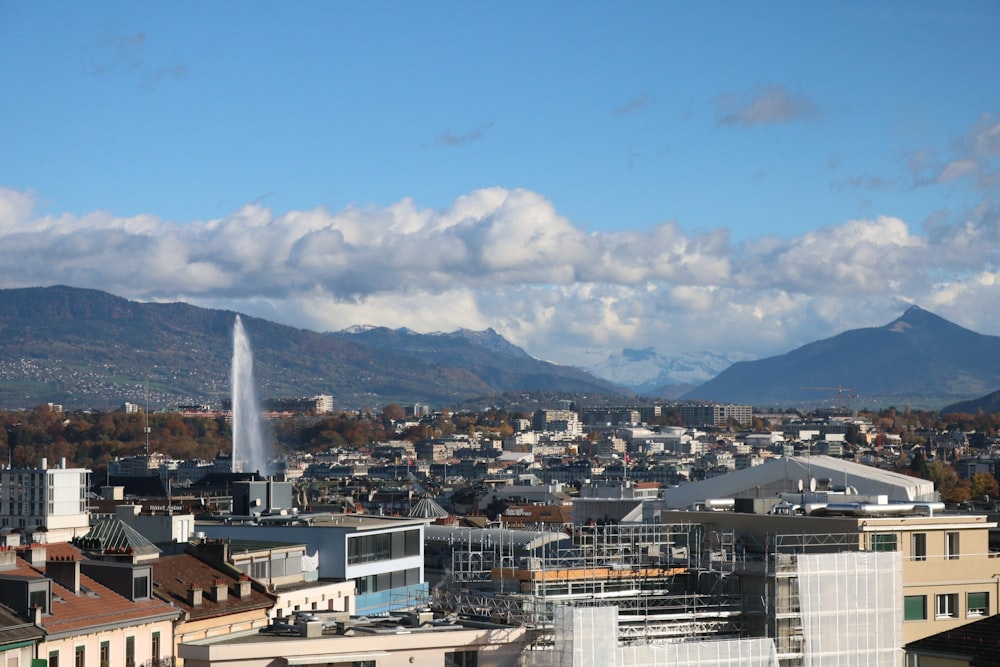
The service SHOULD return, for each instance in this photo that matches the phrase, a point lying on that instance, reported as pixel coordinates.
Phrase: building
(213, 600)
(382, 555)
(45, 504)
(938, 565)
(561, 421)
(714, 414)
(19, 639)
(319, 639)
(90, 612)
(791, 474)
(321, 404)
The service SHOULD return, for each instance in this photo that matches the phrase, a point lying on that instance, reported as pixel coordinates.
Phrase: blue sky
(582, 176)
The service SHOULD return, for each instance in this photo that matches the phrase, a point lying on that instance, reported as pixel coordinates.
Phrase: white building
(382, 555)
(45, 504)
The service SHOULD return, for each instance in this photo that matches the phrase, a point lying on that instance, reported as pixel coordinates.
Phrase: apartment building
(45, 504)
(715, 414)
(947, 574)
(90, 613)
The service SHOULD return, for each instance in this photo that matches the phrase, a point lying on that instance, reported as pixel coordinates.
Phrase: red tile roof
(95, 605)
(174, 575)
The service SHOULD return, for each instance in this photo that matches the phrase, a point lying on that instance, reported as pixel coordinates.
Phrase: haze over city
(582, 177)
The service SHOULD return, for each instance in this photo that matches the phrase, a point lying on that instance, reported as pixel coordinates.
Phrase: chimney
(65, 571)
(35, 554)
(194, 596)
(220, 592)
(242, 588)
(8, 558)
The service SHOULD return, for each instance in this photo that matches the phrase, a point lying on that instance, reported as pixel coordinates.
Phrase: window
(884, 542)
(140, 588)
(413, 542)
(915, 608)
(80, 657)
(461, 659)
(105, 654)
(368, 548)
(130, 652)
(951, 546)
(918, 546)
(38, 599)
(53, 658)
(156, 648)
(947, 606)
(259, 569)
(977, 604)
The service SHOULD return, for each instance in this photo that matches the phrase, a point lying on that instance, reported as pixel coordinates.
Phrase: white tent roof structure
(782, 475)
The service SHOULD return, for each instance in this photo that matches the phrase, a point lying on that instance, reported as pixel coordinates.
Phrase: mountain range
(919, 359)
(86, 348)
(652, 373)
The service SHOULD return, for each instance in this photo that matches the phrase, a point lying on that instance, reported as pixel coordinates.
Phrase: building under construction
(813, 598)
(669, 582)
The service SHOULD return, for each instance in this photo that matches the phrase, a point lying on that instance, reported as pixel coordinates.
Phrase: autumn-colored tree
(393, 412)
(947, 483)
(983, 485)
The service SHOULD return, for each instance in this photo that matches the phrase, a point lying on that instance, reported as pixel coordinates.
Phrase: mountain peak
(915, 317)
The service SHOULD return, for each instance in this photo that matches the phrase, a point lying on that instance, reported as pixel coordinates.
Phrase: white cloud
(508, 259)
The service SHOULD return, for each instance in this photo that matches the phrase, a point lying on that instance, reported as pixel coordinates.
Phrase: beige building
(314, 642)
(948, 578)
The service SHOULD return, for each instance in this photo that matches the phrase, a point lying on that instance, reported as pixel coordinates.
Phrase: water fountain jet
(249, 449)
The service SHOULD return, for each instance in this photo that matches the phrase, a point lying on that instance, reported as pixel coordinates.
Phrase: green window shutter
(978, 600)
(915, 608)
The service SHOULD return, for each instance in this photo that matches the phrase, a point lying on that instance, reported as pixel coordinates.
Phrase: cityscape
(674, 533)
(520, 334)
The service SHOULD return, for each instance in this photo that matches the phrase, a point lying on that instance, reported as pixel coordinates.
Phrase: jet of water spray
(249, 449)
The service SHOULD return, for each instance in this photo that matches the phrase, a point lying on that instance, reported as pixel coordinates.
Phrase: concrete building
(715, 414)
(382, 555)
(45, 504)
(941, 569)
(319, 640)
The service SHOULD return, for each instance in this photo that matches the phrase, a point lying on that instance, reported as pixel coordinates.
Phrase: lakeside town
(662, 533)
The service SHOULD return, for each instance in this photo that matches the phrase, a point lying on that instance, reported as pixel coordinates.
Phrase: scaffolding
(780, 574)
(670, 582)
(582, 639)
(830, 606)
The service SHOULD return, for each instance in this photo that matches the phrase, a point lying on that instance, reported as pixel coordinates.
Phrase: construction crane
(844, 394)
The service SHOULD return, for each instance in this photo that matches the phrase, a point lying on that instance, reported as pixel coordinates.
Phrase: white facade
(53, 499)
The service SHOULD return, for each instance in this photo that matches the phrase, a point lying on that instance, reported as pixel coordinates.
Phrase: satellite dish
(801, 486)
(812, 483)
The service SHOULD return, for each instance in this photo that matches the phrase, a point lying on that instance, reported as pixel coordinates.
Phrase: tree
(919, 465)
(946, 482)
(393, 412)
(983, 484)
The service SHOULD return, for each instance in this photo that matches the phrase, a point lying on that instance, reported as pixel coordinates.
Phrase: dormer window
(39, 599)
(140, 586)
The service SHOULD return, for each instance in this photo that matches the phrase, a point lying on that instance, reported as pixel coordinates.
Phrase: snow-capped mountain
(649, 372)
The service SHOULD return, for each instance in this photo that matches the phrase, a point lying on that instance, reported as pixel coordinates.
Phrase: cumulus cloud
(767, 105)
(508, 259)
